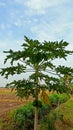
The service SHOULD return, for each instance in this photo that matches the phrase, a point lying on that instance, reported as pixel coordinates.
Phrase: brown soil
(9, 101)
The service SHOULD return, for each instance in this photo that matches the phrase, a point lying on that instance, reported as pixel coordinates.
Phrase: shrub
(47, 124)
(55, 98)
(64, 97)
(23, 117)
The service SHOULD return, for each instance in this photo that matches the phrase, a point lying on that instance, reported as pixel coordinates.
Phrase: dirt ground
(9, 101)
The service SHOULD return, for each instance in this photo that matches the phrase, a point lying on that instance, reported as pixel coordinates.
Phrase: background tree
(37, 58)
(67, 81)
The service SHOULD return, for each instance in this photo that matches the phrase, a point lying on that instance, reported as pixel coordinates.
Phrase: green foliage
(63, 121)
(44, 110)
(23, 88)
(37, 58)
(23, 117)
(1, 124)
(65, 118)
(50, 124)
(55, 98)
(20, 119)
(64, 97)
(37, 103)
(18, 69)
(47, 123)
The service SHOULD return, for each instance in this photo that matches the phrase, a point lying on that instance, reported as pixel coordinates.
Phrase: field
(9, 101)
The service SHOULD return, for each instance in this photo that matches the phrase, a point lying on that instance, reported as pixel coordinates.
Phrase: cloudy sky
(38, 19)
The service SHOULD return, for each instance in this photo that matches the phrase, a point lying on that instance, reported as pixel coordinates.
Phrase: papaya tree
(67, 80)
(35, 60)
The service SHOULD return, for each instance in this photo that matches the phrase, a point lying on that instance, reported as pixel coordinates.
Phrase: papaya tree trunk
(36, 98)
(36, 112)
(36, 119)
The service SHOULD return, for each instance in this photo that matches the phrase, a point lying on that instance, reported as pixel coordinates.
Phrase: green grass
(67, 109)
(1, 124)
(65, 116)
(60, 118)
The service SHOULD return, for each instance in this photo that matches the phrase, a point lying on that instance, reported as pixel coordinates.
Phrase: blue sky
(38, 19)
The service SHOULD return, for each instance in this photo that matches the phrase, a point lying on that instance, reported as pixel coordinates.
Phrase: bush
(55, 98)
(64, 97)
(23, 117)
(47, 123)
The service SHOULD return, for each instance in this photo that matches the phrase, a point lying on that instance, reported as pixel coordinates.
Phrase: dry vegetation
(9, 101)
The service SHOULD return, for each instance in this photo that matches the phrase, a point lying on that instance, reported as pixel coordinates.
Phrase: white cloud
(70, 47)
(45, 31)
(39, 6)
(20, 1)
(53, 30)
(18, 18)
(41, 33)
(15, 20)
(7, 45)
